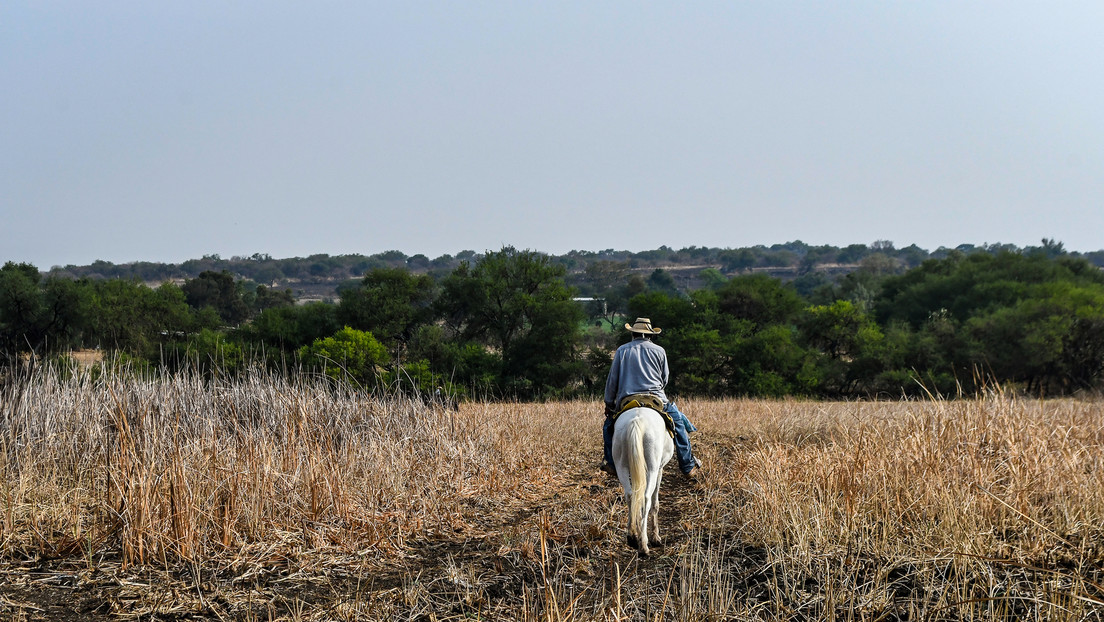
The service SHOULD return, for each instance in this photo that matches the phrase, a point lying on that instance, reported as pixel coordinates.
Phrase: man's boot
(609, 468)
(694, 472)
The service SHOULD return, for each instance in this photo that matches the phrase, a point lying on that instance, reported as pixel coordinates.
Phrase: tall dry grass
(181, 468)
(983, 509)
(264, 498)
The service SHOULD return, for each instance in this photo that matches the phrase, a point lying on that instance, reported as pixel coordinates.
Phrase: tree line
(512, 324)
(321, 274)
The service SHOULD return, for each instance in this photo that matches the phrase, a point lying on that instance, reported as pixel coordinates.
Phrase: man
(640, 366)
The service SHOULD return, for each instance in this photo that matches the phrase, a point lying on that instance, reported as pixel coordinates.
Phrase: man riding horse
(640, 367)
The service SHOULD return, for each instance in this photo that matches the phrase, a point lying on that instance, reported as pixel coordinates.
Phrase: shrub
(349, 355)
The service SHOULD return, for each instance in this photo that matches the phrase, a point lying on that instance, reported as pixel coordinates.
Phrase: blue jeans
(683, 427)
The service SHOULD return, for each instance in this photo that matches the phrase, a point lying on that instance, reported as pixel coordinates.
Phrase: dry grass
(259, 499)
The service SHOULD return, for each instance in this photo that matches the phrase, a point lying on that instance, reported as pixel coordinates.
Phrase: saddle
(645, 400)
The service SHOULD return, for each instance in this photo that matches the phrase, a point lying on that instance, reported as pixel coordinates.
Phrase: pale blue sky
(165, 131)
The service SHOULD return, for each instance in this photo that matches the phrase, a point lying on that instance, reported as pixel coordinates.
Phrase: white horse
(641, 448)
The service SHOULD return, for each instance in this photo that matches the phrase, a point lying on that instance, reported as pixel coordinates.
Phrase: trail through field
(571, 525)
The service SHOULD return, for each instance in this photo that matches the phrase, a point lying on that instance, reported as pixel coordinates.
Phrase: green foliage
(738, 260)
(36, 315)
(1029, 319)
(466, 367)
(516, 303)
(965, 285)
(814, 287)
(391, 303)
(349, 355)
(607, 281)
(713, 278)
(730, 342)
(65, 308)
(839, 330)
(130, 317)
(270, 298)
(213, 352)
(505, 324)
(850, 347)
(662, 281)
(219, 291)
(290, 328)
(21, 309)
(1050, 342)
(417, 378)
(760, 299)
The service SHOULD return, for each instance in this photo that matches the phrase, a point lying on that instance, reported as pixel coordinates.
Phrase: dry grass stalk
(261, 498)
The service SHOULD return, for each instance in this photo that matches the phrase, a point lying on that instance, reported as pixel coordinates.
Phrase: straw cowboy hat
(643, 325)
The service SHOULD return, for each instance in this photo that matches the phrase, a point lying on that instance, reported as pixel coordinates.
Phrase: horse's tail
(638, 478)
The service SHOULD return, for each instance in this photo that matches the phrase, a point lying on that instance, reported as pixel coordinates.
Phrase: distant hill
(320, 276)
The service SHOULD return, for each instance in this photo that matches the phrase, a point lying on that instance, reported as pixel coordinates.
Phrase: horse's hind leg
(637, 535)
(653, 526)
(631, 539)
(640, 544)
(653, 519)
(638, 538)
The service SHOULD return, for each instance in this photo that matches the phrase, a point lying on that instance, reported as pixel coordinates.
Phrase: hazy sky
(162, 131)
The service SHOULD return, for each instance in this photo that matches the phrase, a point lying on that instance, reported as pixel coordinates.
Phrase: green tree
(963, 286)
(348, 355)
(391, 303)
(851, 347)
(211, 352)
(219, 291)
(65, 312)
(738, 260)
(661, 280)
(760, 299)
(768, 362)
(713, 278)
(22, 309)
(128, 316)
(852, 254)
(1051, 343)
(1028, 319)
(270, 297)
(839, 329)
(290, 328)
(606, 280)
(734, 341)
(516, 303)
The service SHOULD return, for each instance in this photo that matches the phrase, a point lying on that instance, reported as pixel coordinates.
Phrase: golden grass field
(124, 498)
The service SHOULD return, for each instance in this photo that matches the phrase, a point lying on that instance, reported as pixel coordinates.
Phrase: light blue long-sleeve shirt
(639, 366)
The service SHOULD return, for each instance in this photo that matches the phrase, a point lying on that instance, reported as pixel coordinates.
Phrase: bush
(350, 355)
